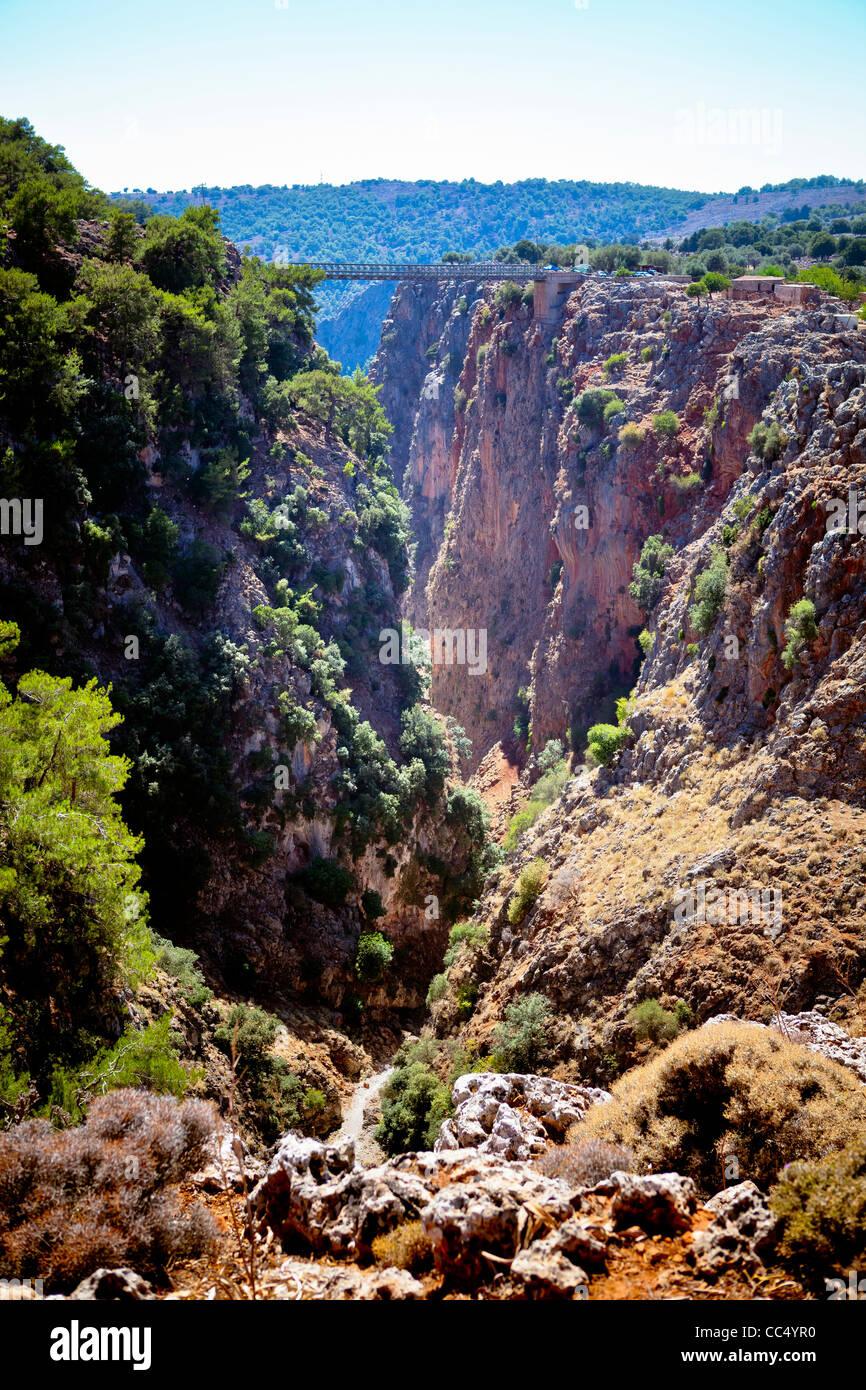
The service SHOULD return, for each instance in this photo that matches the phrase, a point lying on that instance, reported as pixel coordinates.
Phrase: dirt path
(353, 1126)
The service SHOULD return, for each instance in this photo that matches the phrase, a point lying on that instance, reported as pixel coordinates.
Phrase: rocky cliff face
(717, 862)
(418, 369)
(543, 515)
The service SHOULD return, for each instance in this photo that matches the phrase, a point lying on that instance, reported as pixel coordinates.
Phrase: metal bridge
(441, 270)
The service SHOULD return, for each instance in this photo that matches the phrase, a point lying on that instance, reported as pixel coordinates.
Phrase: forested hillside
(201, 542)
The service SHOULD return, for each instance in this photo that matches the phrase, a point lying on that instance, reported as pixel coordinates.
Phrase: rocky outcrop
(658, 1202)
(495, 1228)
(511, 1115)
(316, 1197)
(743, 1233)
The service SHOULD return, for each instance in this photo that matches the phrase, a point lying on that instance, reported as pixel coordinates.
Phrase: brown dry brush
(245, 1235)
(102, 1194)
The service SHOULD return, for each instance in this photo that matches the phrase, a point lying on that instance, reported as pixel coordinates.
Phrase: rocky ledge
(512, 1115)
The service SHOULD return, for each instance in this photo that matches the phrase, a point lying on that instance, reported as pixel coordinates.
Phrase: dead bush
(406, 1247)
(101, 1194)
(585, 1164)
(730, 1088)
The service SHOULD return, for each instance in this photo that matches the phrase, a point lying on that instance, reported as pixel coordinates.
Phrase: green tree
(122, 312)
(73, 918)
(710, 588)
(182, 253)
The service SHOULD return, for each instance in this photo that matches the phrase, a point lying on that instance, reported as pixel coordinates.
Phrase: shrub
(507, 295)
(631, 436)
(648, 572)
(645, 641)
(529, 885)
(604, 741)
(585, 1164)
(182, 965)
(375, 954)
(423, 737)
(406, 1247)
(800, 629)
(101, 1194)
(314, 1102)
(464, 937)
(686, 482)
(666, 424)
(743, 508)
(615, 363)
(459, 399)
(326, 881)
(272, 1096)
(710, 588)
(830, 281)
(481, 354)
(414, 1101)
(438, 989)
(652, 1023)
(646, 354)
(371, 904)
(730, 1087)
(250, 1033)
(590, 407)
(821, 1206)
(613, 407)
(551, 755)
(767, 441)
(147, 1060)
(565, 387)
(520, 1040)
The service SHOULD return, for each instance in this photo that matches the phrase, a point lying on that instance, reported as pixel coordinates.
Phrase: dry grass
(584, 1164)
(406, 1247)
(736, 1089)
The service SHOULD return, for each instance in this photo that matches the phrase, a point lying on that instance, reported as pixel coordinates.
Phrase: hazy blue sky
(169, 93)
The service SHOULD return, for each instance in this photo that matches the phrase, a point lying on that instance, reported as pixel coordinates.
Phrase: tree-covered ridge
(393, 220)
(220, 541)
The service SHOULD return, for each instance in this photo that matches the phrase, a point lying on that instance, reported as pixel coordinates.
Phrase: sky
(167, 94)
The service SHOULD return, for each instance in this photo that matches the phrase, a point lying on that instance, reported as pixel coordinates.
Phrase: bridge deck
(443, 270)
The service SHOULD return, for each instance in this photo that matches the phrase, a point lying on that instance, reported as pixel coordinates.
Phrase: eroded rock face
(657, 1202)
(743, 1232)
(316, 1197)
(488, 1215)
(513, 1115)
(113, 1285)
(493, 1225)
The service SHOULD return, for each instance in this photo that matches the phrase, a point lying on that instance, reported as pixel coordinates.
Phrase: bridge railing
(443, 270)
